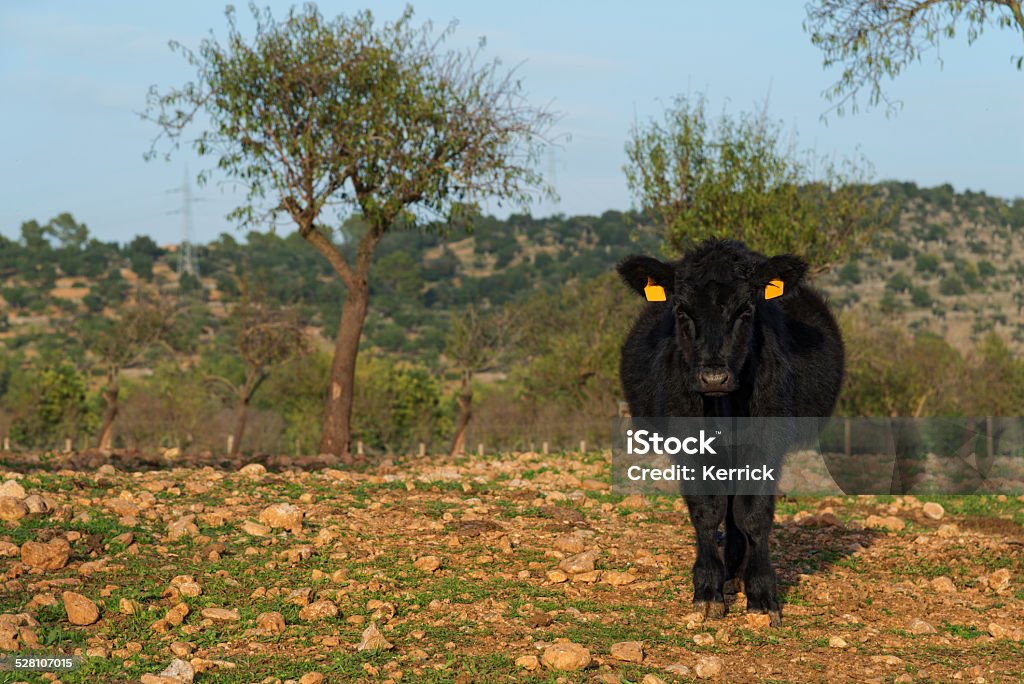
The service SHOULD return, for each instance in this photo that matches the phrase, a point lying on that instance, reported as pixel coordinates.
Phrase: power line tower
(188, 262)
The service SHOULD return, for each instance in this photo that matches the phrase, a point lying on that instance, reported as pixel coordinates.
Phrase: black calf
(739, 334)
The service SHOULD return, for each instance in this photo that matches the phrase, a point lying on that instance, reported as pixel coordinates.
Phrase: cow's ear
(643, 272)
(780, 275)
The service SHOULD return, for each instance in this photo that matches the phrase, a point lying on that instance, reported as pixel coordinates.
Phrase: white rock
(708, 667)
(373, 640)
(566, 657)
(253, 470)
(12, 488)
(282, 515)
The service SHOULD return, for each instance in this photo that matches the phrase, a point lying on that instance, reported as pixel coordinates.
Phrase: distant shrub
(951, 285)
(849, 274)
(899, 251)
(920, 298)
(935, 232)
(889, 303)
(900, 282)
(926, 263)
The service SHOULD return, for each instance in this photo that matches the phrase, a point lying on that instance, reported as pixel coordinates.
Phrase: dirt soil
(502, 568)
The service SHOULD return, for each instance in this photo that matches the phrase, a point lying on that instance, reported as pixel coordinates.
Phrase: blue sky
(74, 75)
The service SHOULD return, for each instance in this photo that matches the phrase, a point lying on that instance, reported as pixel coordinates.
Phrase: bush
(951, 285)
(900, 282)
(889, 303)
(920, 298)
(398, 405)
(849, 274)
(935, 232)
(50, 404)
(899, 251)
(926, 263)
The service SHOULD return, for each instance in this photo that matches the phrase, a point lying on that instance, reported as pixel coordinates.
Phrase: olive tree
(738, 177)
(122, 342)
(265, 338)
(476, 343)
(319, 118)
(871, 40)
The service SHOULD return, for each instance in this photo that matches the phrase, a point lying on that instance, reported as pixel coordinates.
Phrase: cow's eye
(685, 319)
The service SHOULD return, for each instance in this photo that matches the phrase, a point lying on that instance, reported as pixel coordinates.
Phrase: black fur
(717, 347)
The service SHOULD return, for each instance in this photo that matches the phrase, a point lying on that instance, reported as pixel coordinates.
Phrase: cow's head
(715, 293)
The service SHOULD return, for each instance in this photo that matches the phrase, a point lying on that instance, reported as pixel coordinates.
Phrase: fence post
(544, 448)
(583, 446)
(480, 449)
(231, 443)
(423, 449)
(7, 443)
(847, 446)
(359, 448)
(67, 445)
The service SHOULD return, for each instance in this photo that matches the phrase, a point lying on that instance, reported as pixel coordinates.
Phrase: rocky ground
(503, 568)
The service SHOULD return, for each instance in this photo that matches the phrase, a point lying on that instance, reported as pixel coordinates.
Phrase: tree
(122, 343)
(265, 338)
(324, 116)
(736, 178)
(142, 253)
(571, 341)
(69, 233)
(871, 40)
(35, 238)
(891, 373)
(476, 342)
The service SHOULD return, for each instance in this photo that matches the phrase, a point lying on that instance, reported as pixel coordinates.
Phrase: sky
(74, 77)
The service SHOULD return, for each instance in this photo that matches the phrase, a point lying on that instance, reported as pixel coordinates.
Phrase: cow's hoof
(710, 609)
(732, 586)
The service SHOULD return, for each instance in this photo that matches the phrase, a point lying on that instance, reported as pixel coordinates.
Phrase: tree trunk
(336, 433)
(241, 416)
(253, 379)
(110, 393)
(465, 414)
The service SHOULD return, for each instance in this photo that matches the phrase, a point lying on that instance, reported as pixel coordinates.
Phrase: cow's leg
(707, 513)
(735, 552)
(754, 516)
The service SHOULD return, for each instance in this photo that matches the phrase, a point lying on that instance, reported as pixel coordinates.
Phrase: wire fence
(267, 433)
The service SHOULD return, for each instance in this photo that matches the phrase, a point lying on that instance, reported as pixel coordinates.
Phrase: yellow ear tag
(773, 289)
(654, 293)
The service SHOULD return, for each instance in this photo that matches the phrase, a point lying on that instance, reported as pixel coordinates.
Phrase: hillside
(951, 263)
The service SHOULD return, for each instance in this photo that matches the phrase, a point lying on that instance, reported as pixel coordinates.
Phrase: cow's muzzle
(714, 381)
